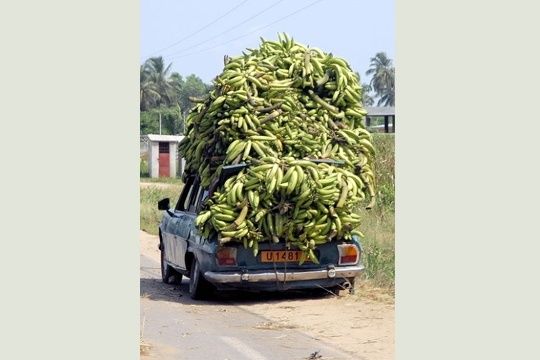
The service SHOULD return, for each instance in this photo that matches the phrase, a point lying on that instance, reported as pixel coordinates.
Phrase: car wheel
(199, 287)
(168, 274)
(177, 278)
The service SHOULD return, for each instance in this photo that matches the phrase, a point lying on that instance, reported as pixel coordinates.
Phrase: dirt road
(300, 325)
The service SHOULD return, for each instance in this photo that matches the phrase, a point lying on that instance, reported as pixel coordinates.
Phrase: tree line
(165, 94)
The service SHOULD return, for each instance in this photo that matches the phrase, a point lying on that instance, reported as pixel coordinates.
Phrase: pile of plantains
(282, 109)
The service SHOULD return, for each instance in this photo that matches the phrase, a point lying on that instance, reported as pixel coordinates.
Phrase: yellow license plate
(281, 256)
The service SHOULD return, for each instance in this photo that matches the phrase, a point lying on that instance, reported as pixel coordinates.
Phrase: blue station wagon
(210, 266)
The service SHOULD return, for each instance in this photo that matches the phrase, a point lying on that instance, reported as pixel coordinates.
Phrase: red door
(164, 164)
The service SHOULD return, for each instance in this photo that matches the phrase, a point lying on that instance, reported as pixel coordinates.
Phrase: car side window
(185, 196)
(187, 201)
(194, 197)
(202, 197)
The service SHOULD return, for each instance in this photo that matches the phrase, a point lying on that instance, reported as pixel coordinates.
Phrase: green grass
(143, 167)
(378, 225)
(150, 216)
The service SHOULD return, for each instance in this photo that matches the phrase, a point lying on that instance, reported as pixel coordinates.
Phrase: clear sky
(352, 29)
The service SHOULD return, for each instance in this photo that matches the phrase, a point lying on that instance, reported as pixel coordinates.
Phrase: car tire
(168, 274)
(177, 278)
(199, 287)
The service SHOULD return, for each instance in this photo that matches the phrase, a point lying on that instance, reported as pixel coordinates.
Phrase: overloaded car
(211, 267)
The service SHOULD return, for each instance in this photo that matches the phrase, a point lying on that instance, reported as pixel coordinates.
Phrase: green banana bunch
(276, 108)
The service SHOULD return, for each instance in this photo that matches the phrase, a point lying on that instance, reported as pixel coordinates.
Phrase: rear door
(184, 213)
(193, 234)
(174, 235)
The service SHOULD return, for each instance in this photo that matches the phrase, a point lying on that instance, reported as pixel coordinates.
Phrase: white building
(163, 159)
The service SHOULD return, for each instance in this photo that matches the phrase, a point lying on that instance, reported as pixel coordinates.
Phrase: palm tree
(382, 80)
(387, 95)
(156, 89)
(367, 99)
(149, 94)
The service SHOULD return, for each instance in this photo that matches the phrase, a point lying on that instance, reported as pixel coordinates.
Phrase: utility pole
(159, 123)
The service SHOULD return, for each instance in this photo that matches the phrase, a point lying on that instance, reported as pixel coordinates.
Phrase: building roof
(380, 111)
(165, 138)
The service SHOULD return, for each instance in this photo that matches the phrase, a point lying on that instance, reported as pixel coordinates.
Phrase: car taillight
(226, 256)
(348, 254)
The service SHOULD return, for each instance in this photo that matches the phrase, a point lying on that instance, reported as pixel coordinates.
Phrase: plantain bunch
(277, 108)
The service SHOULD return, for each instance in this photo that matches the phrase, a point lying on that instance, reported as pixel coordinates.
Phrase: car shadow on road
(155, 289)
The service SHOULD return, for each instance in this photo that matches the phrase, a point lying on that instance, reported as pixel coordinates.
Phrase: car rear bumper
(265, 276)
